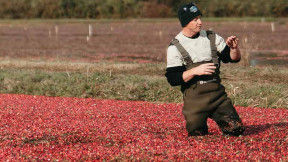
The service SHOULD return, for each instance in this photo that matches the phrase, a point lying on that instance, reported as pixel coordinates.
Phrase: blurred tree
(279, 8)
(110, 8)
(49, 9)
(68, 7)
(131, 8)
(14, 8)
(153, 9)
(137, 8)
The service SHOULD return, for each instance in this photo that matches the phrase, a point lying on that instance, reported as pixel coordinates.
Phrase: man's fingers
(231, 39)
(207, 68)
(209, 64)
(211, 67)
(235, 43)
(210, 71)
(207, 73)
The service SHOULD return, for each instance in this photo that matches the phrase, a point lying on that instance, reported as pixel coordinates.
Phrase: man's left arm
(228, 50)
(232, 43)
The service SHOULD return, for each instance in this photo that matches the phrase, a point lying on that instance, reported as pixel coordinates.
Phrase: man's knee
(233, 129)
(198, 132)
(198, 128)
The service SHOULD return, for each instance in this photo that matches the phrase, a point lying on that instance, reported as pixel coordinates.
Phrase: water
(258, 59)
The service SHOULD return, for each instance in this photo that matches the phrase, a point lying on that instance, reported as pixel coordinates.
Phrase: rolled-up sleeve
(174, 57)
(174, 75)
(220, 43)
(175, 66)
(224, 50)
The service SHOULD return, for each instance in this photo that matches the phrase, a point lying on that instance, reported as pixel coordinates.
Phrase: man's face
(195, 25)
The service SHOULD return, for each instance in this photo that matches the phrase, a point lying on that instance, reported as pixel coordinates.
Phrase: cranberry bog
(125, 60)
(55, 128)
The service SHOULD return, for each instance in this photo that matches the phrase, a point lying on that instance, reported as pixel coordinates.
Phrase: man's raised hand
(232, 42)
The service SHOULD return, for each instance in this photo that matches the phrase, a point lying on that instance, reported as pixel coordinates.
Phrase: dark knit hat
(187, 13)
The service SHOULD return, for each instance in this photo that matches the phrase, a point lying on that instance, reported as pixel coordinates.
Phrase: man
(193, 62)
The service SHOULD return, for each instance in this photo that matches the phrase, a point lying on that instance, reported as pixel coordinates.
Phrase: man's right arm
(176, 72)
(179, 75)
(175, 66)
(204, 69)
(174, 75)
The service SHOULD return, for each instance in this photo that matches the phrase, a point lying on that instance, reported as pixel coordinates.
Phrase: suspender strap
(212, 37)
(186, 57)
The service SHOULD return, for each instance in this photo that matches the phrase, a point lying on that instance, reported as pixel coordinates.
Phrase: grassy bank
(247, 86)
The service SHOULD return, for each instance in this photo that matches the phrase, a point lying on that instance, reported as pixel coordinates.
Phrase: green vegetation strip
(160, 20)
(247, 86)
(137, 8)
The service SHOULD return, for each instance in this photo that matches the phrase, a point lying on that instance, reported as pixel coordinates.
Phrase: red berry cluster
(56, 128)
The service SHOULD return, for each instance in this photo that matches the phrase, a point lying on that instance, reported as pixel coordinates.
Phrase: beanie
(187, 13)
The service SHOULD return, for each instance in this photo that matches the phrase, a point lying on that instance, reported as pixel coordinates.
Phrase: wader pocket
(189, 91)
(207, 88)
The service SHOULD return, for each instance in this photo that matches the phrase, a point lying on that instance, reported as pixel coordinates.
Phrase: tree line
(138, 8)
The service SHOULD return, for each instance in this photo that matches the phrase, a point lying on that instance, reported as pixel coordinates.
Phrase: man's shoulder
(172, 42)
(179, 35)
(172, 49)
(203, 33)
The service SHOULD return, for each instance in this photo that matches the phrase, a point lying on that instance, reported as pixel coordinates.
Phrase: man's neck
(189, 33)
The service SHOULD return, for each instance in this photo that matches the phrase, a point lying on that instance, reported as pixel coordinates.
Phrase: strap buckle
(202, 82)
(207, 81)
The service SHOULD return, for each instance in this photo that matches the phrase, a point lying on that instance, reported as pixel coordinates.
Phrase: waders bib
(205, 97)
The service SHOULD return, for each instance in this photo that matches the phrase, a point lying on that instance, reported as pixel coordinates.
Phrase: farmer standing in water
(193, 61)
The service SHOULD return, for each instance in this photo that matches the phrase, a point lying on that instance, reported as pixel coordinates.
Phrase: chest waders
(205, 97)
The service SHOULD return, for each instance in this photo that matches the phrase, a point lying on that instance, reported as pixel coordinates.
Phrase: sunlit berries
(55, 128)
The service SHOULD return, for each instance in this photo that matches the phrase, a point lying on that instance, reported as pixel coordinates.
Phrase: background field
(125, 40)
